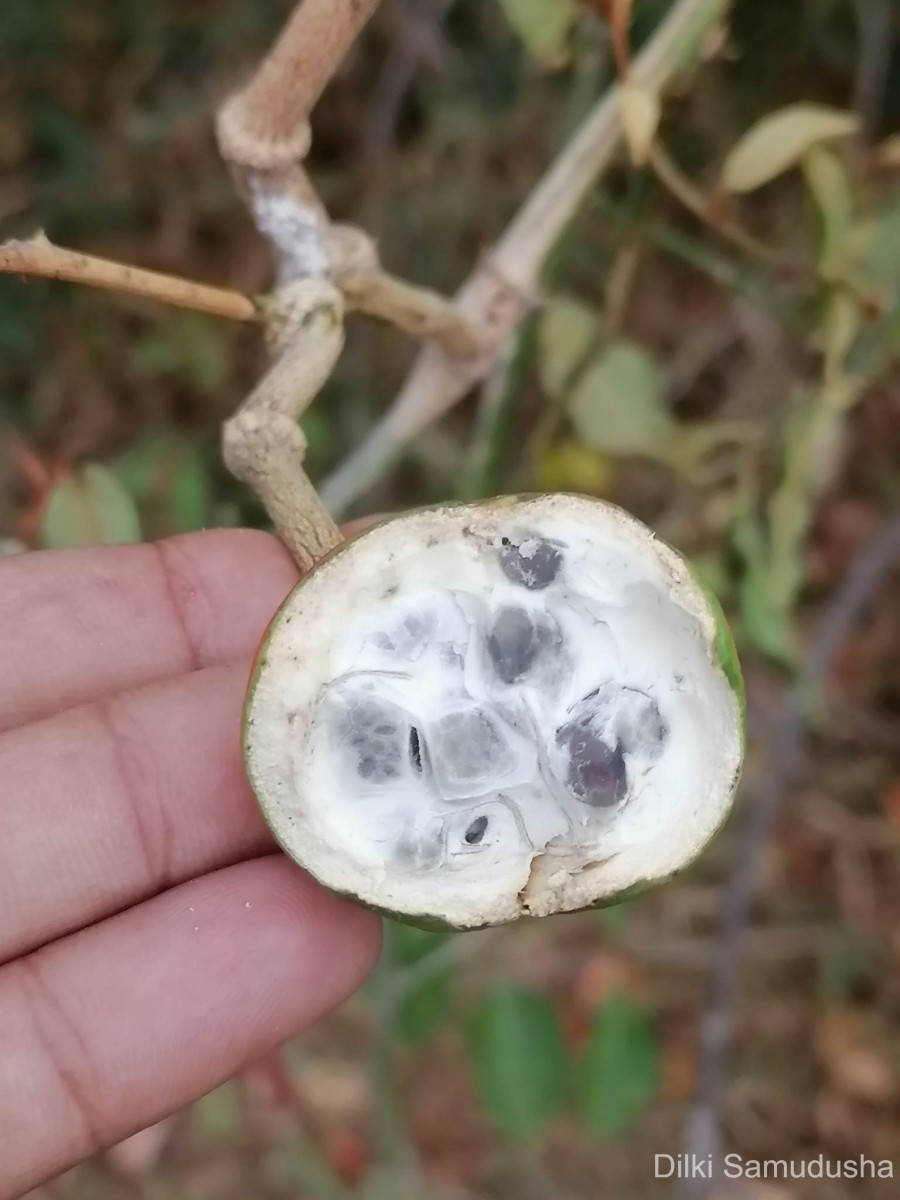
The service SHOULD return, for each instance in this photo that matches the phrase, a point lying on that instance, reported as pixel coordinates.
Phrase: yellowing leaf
(573, 467)
(640, 120)
(617, 404)
(779, 140)
(832, 191)
(90, 508)
(566, 333)
(888, 153)
(543, 25)
(843, 321)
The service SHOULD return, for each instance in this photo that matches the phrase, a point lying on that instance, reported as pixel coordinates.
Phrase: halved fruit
(474, 713)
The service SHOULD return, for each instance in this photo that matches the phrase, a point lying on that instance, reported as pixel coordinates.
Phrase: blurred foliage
(519, 1060)
(88, 508)
(621, 1069)
(423, 1008)
(717, 349)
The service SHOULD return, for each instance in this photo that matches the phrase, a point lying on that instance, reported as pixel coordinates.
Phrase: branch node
(353, 251)
(241, 146)
(262, 444)
(508, 301)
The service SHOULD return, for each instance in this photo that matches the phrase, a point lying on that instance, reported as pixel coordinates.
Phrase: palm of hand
(152, 942)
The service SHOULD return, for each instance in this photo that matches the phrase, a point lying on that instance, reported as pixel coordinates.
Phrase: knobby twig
(703, 1132)
(263, 445)
(503, 286)
(322, 270)
(420, 312)
(264, 133)
(39, 256)
(266, 125)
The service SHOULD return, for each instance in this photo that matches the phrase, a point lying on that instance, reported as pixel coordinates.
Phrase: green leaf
(812, 456)
(218, 1113)
(169, 477)
(765, 625)
(543, 25)
(191, 346)
(520, 1060)
(881, 256)
(877, 247)
(848, 962)
(829, 183)
(840, 329)
(424, 1008)
(189, 492)
(617, 404)
(142, 465)
(567, 332)
(614, 917)
(779, 140)
(621, 1066)
(90, 508)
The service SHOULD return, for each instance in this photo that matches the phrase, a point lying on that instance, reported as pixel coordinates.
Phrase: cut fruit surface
(474, 713)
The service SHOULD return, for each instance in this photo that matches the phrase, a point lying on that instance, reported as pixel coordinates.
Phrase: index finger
(78, 625)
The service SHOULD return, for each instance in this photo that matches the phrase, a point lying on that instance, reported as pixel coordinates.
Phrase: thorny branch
(703, 1132)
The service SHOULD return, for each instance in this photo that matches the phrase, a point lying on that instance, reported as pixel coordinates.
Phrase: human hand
(152, 941)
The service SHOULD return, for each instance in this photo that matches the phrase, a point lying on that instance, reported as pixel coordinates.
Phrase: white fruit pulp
(499, 710)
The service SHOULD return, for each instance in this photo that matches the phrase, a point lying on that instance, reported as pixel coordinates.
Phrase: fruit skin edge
(725, 658)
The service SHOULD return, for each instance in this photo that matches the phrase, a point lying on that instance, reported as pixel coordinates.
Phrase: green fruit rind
(725, 648)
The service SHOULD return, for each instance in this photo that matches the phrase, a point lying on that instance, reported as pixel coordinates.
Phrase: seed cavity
(415, 748)
(515, 641)
(640, 726)
(373, 733)
(597, 773)
(532, 562)
(468, 749)
(476, 831)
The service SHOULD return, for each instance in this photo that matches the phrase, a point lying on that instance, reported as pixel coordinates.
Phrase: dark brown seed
(534, 571)
(597, 774)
